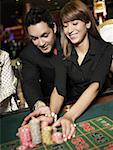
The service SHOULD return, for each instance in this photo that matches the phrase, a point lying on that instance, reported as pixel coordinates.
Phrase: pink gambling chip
(57, 138)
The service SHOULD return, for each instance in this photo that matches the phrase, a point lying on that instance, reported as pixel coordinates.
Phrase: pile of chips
(32, 135)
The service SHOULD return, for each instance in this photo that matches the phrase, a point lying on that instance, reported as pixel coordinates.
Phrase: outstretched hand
(41, 111)
(68, 127)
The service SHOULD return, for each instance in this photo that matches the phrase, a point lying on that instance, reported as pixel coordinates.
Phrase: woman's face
(76, 30)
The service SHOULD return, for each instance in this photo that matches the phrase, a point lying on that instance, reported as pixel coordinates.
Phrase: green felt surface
(105, 109)
(93, 134)
(9, 123)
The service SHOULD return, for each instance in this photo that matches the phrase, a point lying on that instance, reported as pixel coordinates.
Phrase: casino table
(94, 130)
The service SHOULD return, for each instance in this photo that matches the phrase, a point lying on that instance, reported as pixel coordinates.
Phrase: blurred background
(12, 34)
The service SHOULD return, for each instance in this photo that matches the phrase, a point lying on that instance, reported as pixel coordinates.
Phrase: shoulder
(106, 47)
(4, 56)
(27, 49)
(101, 46)
(4, 53)
(29, 52)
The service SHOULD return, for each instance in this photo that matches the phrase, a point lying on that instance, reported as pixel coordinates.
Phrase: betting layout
(93, 134)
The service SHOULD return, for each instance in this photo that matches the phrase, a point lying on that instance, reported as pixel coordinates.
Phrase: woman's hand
(68, 127)
(41, 111)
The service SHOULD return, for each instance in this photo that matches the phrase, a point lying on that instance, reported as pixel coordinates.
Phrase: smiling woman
(87, 64)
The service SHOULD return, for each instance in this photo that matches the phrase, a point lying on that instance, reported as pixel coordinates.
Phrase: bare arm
(56, 101)
(76, 110)
(111, 68)
(83, 102)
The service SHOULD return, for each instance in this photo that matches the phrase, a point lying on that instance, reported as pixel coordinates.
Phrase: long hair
(76, 10)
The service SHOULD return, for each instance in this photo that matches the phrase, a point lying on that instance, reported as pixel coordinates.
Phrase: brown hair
(76, 10)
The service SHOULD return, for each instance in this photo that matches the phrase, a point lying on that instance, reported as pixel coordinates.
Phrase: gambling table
(94, 130)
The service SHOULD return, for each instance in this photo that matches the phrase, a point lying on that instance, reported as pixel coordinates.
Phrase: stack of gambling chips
(25, 138)
(47, 135)
(57, 137)
(35, 130)
(50, 136)
(34, 133)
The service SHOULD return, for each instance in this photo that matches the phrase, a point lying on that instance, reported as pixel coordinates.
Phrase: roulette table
(94, 130)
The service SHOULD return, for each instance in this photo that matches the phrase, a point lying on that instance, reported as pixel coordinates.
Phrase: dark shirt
(94, 68)
(38, 72)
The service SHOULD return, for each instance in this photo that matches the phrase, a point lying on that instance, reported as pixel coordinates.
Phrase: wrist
(69, 117)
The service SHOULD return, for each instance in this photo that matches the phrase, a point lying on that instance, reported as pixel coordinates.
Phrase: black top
(38, 72)
(94, 68)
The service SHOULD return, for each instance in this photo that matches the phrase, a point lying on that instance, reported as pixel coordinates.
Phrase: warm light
(100, 10)
(100, 7)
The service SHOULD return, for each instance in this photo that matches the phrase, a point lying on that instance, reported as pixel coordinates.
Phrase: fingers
(43, 111)
(40, 111)
(68, 129)
(72, 132)
(57, 123)
(45, 119)
(26, 119)
(65, 128)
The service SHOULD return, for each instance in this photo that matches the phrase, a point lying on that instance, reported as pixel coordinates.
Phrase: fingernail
(75, 125)
(65, 139)
(64, 136)
(73, 136)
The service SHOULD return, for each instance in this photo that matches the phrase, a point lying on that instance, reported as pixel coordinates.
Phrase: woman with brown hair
(87, 64)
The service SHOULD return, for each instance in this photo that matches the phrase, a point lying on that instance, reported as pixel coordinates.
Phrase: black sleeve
(102, 67)
(60, 78)
(31, 82)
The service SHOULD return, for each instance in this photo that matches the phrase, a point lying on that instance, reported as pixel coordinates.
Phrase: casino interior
(13, 39)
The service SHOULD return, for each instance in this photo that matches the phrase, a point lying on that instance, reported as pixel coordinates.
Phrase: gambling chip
(47, 135)
(57, 137)
(35, 130)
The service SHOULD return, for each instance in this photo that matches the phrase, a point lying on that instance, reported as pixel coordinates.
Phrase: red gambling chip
(57, 138)
(74, 141)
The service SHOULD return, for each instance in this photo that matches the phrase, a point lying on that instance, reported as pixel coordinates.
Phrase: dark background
(12, 11)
